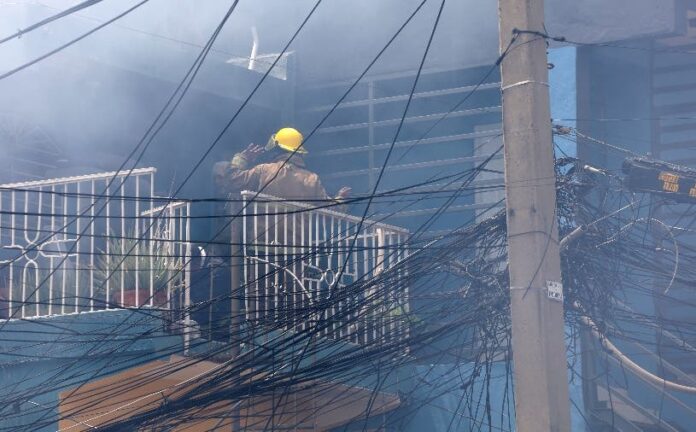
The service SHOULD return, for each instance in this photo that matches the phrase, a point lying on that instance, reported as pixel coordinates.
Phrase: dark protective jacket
(289, 180)
(293, 181)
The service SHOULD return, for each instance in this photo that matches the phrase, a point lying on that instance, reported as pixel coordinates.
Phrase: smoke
(83, 109)
(98, 97)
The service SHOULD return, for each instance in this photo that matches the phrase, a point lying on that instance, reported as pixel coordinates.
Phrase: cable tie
(521, 83)
(522, 288)
(544, 35)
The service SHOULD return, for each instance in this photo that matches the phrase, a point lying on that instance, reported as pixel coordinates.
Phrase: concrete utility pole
(539, 357)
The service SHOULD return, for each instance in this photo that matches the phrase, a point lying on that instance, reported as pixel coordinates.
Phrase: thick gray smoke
(96, 98)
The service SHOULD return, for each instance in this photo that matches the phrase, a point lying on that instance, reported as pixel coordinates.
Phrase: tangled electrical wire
(445, 302)
(427, 316)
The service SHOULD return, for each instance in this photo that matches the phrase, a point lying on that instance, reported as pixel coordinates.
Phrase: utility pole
(538, 347)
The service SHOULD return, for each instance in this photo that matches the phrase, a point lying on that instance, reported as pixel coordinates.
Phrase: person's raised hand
(344, 192)
(252, 152)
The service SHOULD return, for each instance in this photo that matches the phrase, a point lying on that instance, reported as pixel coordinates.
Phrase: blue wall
(563, 94)
(40, 358)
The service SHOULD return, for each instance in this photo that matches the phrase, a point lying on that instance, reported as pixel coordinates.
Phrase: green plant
(127, 261)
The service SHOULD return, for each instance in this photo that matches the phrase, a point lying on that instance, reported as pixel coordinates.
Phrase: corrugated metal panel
(441, 136)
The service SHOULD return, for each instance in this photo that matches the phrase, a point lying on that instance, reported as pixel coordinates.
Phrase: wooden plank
(317, 405)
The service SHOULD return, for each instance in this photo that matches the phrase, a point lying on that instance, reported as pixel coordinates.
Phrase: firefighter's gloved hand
(344, 193)
(247, 157)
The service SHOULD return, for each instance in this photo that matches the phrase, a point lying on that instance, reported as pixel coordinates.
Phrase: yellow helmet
(288, 139)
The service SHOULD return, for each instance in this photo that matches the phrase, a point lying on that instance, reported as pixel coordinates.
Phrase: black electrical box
(657, 177)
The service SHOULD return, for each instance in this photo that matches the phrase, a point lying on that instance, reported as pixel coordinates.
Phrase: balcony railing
(305, 266)
(104, 241)
(89, 243)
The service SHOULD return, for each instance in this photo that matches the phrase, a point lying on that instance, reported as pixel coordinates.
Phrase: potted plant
(142, 272)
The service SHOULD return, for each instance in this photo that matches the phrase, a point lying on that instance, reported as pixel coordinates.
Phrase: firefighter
(285, 176)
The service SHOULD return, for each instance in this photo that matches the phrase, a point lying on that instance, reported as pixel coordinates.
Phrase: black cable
(71, 10)
(70, 43)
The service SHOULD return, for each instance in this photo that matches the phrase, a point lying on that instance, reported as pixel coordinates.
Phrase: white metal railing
(86, 243)
(296, 255)
(170, 254)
